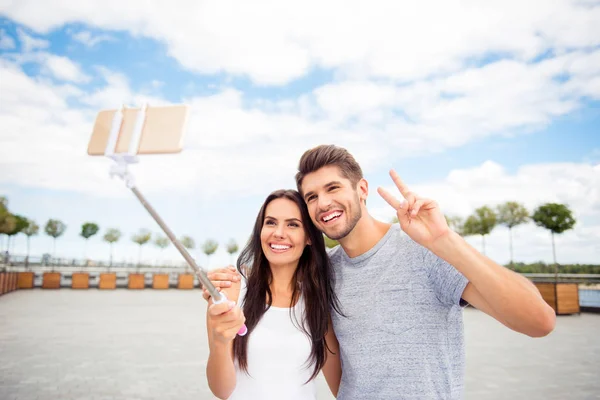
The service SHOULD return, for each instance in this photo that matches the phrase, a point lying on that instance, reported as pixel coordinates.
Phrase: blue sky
(469, 108)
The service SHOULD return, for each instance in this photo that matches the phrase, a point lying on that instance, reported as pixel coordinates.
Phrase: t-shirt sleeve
(447, 282)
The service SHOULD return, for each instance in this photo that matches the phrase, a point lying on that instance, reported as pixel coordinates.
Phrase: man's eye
(333, 188)
(311, 198)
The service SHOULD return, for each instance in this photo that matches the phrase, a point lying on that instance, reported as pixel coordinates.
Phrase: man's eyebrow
(307, 195)
(333, 183)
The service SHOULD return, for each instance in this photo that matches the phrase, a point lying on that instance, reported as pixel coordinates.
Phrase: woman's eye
(293, 224)
(270, 222)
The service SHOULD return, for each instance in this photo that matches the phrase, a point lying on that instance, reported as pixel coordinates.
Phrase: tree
(88, 230)
(232, 248)
(188, 242)
(112, 236)
(455, 223)
(480, 223)
(141, 238)
(162, 242)
(32, 229)
(331, 243)
(512, 214)
(209, 247)
(54, 228)
(557, 218)
(7, 220)
(20, 224)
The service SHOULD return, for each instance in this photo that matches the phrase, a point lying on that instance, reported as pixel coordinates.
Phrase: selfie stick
(120, 169)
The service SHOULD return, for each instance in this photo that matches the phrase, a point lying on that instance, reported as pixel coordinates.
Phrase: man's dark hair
(326, 155)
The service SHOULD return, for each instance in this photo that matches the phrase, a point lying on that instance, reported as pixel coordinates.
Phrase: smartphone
(162, 132)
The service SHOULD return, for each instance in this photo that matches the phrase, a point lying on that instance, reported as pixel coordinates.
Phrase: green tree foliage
(480, 223)
(455, 223)
(557, 218)
(209, 247)
(331, 243)
(55, 228)
(188, 242)
(162, 242)
(112, 236)
(511, 214)
(88, 230)
(141, 238)
(32, 229)
(232, 248)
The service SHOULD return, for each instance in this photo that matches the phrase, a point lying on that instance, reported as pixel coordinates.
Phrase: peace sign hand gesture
(420, 218)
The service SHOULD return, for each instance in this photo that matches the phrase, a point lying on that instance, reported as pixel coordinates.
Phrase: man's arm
(332, 370)
(503, 294)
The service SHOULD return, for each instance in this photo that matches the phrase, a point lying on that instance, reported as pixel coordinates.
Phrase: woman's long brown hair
(314, 272)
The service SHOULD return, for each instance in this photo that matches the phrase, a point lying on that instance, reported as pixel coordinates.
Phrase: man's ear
(362, 187)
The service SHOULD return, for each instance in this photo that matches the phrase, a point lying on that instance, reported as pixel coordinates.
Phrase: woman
(286, 305)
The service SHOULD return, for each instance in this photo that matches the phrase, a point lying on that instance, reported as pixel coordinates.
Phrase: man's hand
(420, 218)
(224, 278)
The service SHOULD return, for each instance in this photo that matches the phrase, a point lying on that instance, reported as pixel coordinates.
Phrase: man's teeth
(331, 216)
(279, 247)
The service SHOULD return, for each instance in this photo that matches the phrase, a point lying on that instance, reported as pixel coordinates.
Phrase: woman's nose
(278, 232)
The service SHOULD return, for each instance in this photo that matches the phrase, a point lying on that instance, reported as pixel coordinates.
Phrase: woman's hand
(224, 321)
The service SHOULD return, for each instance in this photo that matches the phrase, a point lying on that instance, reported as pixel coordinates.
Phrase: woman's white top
(278, 354)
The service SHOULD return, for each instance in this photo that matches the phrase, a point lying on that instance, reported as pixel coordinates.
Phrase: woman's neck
(282, 286)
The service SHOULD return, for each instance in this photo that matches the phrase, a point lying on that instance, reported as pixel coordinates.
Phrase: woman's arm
(223, 321)
(332, 370)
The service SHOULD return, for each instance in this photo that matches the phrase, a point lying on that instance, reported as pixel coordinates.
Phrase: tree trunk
(27, 257)
(555, 264)
(511, 245)
(140, 256)
(111, 256)
(483, 244)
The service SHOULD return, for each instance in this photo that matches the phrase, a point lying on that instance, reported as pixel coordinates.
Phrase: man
(402, 333)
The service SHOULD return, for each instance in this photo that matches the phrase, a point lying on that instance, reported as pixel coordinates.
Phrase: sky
(472, 103)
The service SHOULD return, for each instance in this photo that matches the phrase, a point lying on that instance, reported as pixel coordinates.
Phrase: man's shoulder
(335, 252)
(400, 242)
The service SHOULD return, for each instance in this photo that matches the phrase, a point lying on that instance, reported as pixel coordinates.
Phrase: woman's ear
(308, 242)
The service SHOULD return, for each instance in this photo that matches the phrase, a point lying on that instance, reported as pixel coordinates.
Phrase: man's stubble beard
(351, 224)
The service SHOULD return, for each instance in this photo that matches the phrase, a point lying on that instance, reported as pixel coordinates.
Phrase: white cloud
(59, 67)
(30, 43)
(90, 40)
(6, 41)
(64, 69)
(273, 43)
(576, 185)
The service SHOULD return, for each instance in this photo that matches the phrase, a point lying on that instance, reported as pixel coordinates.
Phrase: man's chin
(336, 234)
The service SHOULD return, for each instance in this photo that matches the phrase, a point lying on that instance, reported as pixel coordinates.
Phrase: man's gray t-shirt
(402, 337)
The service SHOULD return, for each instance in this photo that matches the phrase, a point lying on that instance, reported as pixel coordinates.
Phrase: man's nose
(324, 202)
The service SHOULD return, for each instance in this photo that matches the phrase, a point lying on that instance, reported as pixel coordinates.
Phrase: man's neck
(365, 235)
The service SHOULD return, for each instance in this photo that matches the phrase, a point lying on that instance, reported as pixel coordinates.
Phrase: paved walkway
(151, 344)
